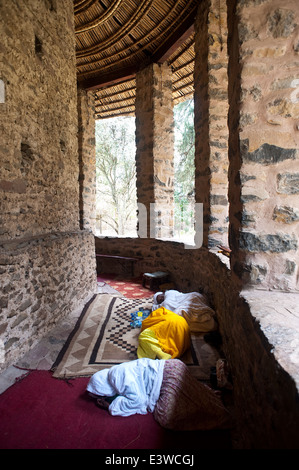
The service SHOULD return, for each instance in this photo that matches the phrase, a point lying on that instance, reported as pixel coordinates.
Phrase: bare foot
(103, 403)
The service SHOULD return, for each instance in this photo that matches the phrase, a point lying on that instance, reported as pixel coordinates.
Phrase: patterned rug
(130, 288)
(103, 337)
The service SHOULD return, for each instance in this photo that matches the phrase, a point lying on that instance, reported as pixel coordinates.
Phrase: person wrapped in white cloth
(134, 386)
(165, 388)
(193, 306)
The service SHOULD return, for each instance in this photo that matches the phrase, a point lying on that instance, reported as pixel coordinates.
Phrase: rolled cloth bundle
(193, 306)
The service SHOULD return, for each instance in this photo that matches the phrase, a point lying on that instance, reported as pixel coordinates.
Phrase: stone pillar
(210, 118)
(87, 160)
(155, 147)
(264, 113)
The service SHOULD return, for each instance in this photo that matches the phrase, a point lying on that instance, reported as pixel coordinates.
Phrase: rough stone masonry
(264, 174)
(47, 265)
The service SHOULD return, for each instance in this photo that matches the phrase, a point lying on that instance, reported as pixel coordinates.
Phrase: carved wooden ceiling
(116, 38)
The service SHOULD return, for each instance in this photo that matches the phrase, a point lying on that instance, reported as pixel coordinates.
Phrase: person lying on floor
(193, 306)
(163, 335)
(165, 388)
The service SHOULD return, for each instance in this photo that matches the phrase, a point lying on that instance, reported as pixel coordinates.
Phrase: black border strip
(94, 353)
(72, 334)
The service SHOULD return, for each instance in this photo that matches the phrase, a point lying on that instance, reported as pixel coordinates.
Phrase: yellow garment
(171, 331)
(149, 346)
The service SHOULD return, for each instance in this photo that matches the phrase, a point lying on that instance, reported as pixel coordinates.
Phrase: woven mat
(130, 288)
(103, 337)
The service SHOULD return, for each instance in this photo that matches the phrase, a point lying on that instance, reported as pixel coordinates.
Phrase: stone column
(87, 160)
(264, 113)
(155, 148)
(210, 117)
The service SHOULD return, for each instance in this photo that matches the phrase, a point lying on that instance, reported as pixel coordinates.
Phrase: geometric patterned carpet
(103, 337)
(130, 288)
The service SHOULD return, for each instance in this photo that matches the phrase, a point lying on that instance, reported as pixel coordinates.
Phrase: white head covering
(99, 384)
(137, 384)
(155, 297)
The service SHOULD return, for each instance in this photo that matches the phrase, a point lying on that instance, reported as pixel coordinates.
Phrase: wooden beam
(101, 81)
(180, 35)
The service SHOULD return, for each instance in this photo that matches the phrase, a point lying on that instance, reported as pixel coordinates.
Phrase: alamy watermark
(294, 96)
(157, 215)
(161, 219)
(2, 352)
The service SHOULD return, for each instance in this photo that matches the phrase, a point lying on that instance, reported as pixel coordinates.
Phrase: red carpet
(41, 412)
(129, 288)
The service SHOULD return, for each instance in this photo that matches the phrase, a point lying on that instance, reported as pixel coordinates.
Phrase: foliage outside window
(116, 175)
(184, 168)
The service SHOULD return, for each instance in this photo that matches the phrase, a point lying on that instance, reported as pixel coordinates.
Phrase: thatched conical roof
(116, 38)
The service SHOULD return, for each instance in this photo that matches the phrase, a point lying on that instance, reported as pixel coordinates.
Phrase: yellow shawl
(170, 329)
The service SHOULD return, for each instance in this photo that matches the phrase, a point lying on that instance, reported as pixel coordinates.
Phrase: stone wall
(38, 151)
(261, 148)
(46, 263)
(264, 145)
(42, 279)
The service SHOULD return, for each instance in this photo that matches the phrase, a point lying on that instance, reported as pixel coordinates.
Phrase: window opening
(184, 172)
(38, 45)
(116, 200)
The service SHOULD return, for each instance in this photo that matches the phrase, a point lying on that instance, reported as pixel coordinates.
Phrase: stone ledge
(24, 242)
(224, 259)
(278, 316)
